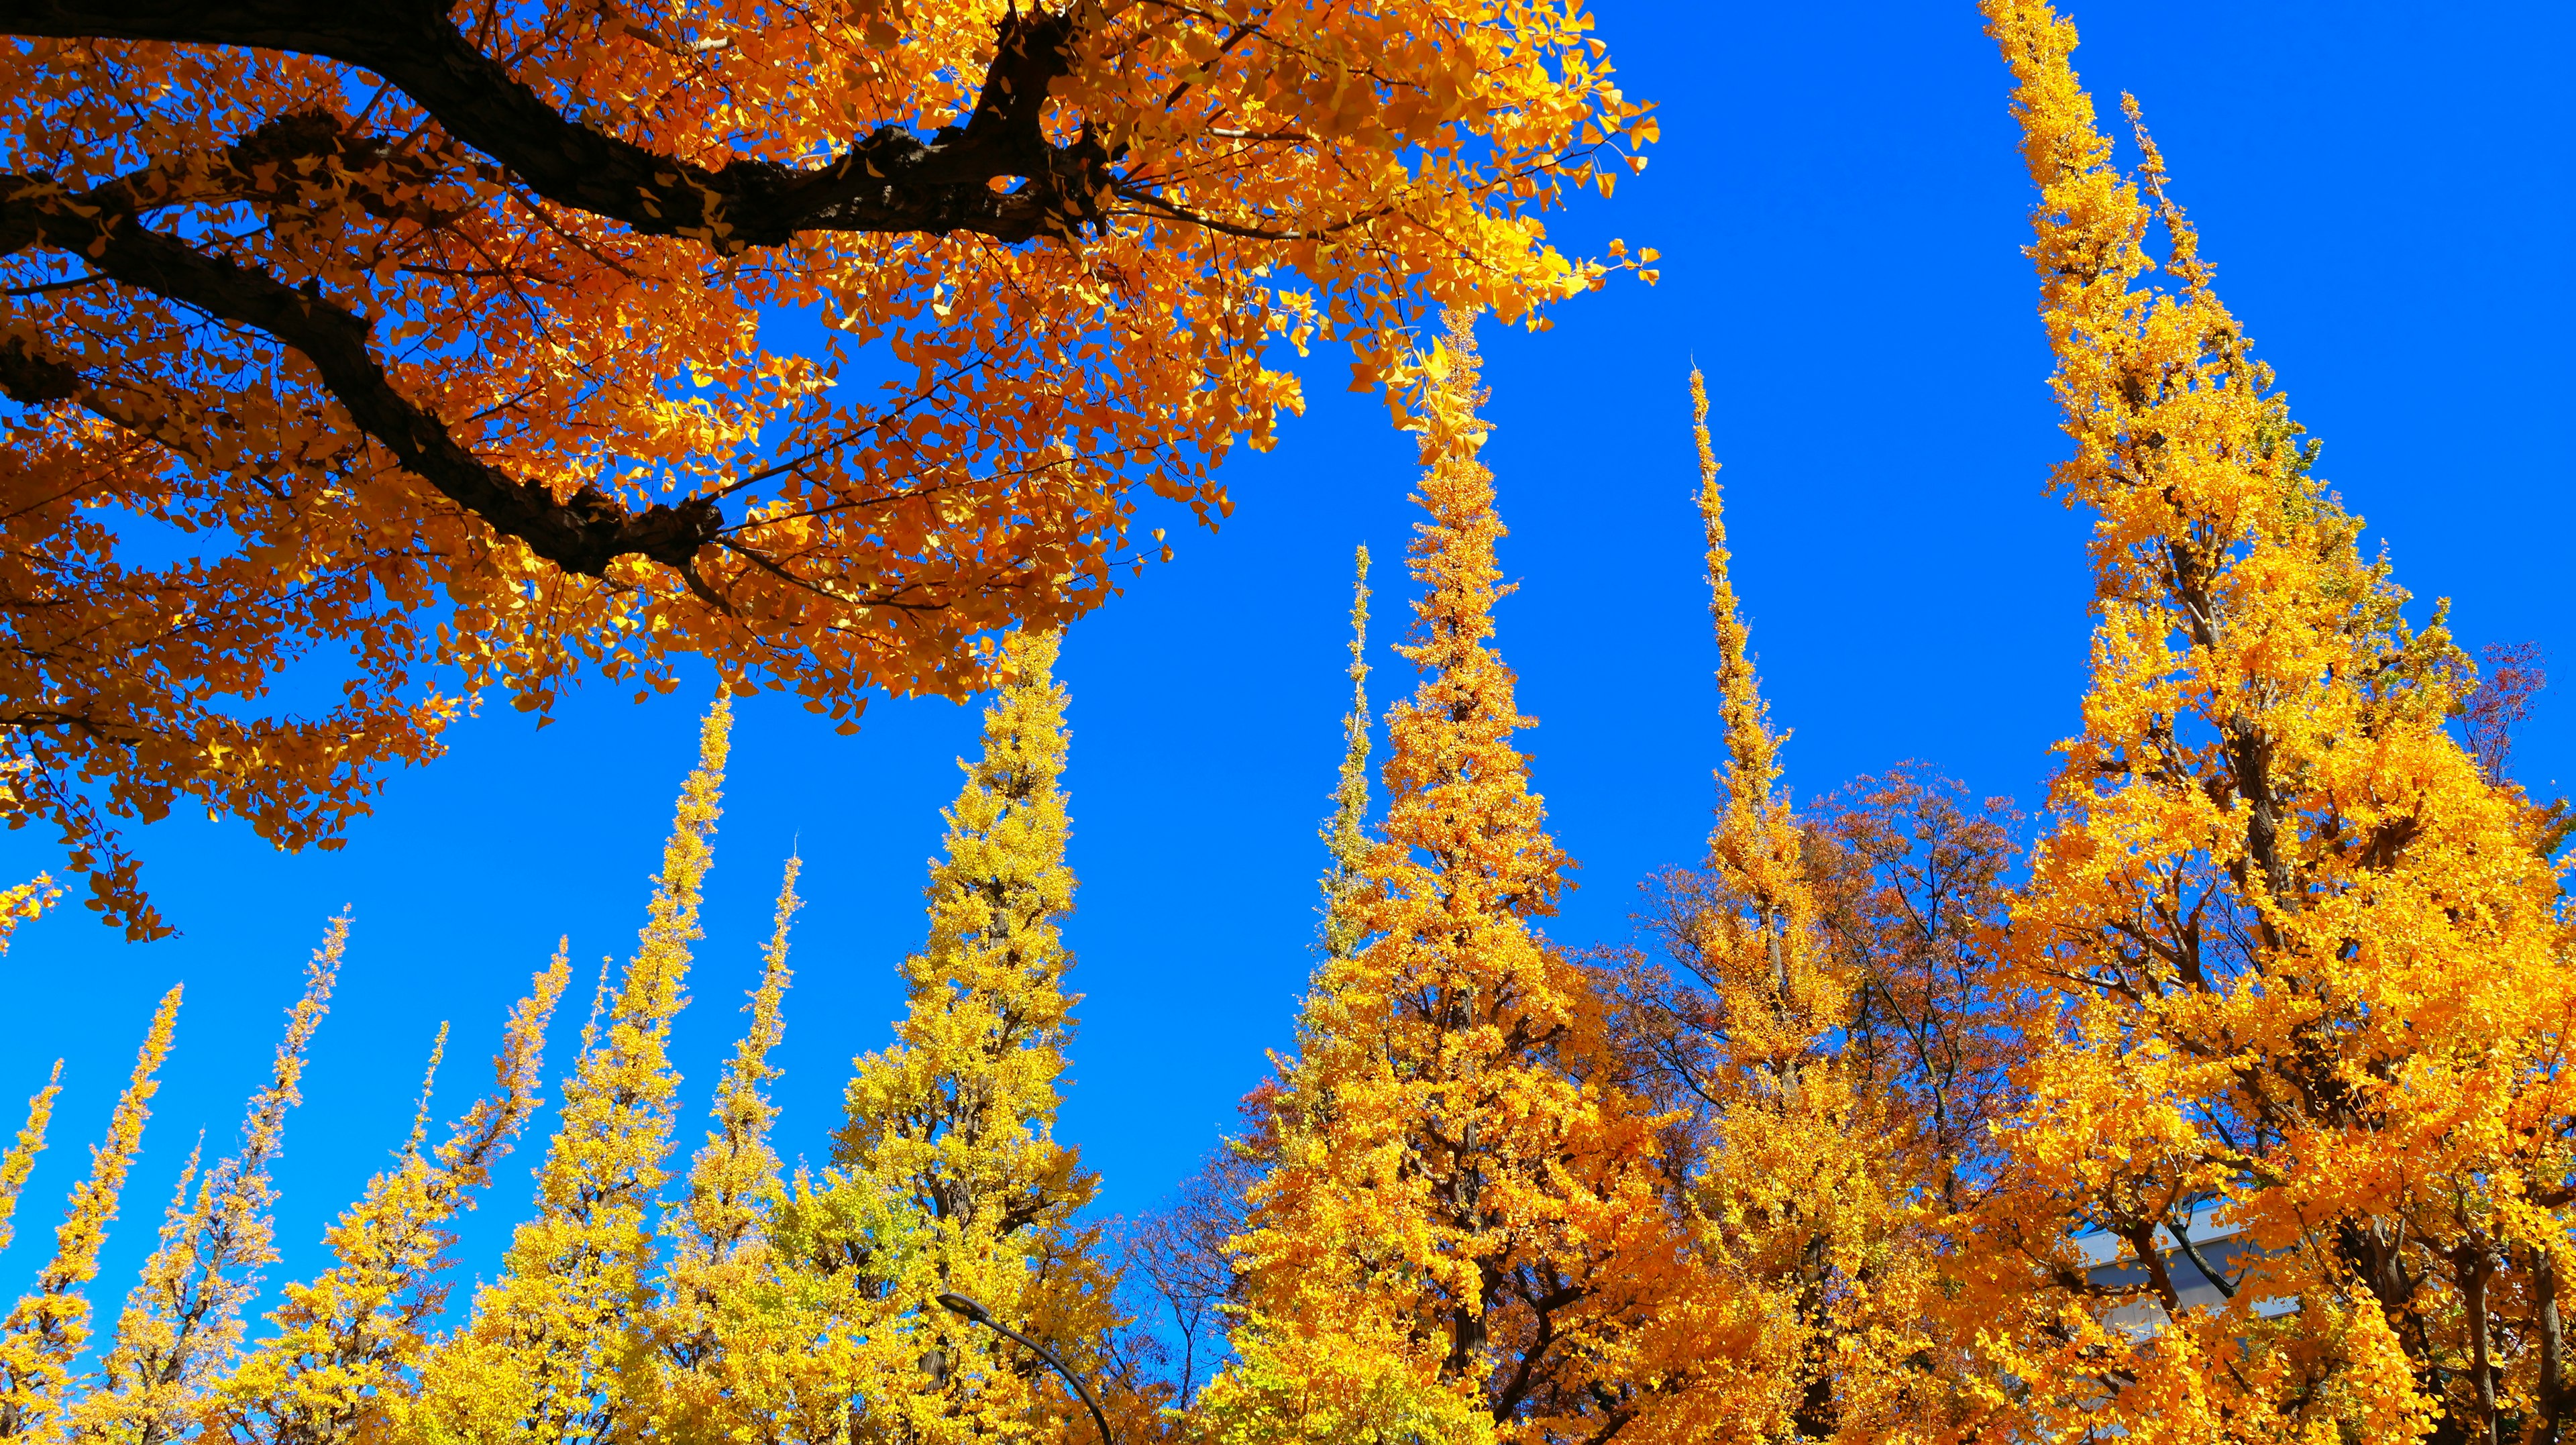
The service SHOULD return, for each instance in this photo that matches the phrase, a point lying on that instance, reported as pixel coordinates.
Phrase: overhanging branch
(887, 181)
(582, 533)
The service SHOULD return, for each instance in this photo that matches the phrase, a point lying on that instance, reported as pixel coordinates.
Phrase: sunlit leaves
(965, 445)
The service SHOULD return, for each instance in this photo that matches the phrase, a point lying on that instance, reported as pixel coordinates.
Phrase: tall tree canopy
(500, 345)
(1458, 1237)
(951, 1131)
(2304, 962)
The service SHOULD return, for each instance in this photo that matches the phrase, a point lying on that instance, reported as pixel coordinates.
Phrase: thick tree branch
(2182, 1236)
(888, 181)
(581, 534)
(2550, 1388)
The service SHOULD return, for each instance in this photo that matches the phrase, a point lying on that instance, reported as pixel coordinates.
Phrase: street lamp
(958, 1304)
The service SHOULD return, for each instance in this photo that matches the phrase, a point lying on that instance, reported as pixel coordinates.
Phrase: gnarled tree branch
(582, 533)
(887, 181)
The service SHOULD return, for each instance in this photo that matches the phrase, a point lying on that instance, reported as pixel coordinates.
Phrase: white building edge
(2110, 1264)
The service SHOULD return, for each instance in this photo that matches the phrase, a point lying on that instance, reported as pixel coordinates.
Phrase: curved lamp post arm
(960, 1305)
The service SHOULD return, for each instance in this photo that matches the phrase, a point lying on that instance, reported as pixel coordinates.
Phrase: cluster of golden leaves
(312, 399)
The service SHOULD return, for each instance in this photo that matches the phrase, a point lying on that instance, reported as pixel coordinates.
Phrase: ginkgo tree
(1810, 1021)
(1457, 1234)
(445, 347)
(2302, 962)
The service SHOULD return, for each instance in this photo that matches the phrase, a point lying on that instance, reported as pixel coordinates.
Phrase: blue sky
(2384, 189)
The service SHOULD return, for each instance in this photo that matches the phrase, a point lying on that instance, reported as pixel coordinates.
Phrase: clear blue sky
(2384, 188)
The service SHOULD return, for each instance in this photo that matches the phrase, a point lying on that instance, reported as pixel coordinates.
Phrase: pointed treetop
(1456, 732)
(735, 1177)
(1751, 749)
(1346, 838)
(1359, 670)
(986, 987)
(20, 1161)
(947, 1177)
(347, 1338)
(543, 1348)
(617, 1107)
(1453, 553)
(688, 853)
(49, 1327)
(1458, 1215)
(419, 1135)
(1790, 991)
(182, 1323)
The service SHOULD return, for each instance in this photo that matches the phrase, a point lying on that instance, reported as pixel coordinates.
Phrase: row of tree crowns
(2232, 1109)
(642, 1298)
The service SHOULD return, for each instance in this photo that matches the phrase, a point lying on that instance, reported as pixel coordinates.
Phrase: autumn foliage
(503, 346)
(2301, 960)
(2222, 1099)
